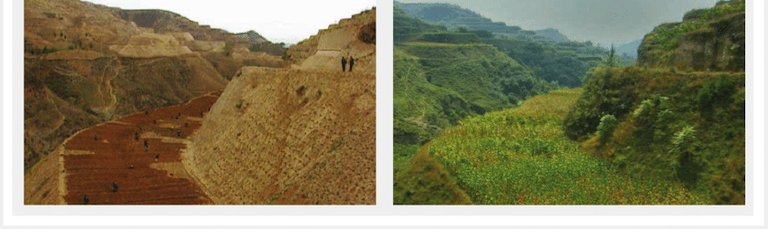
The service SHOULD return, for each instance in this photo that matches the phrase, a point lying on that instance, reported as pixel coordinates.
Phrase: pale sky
(288, 21)
(600, 21)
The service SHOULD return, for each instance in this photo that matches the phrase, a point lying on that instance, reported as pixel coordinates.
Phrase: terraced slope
(92, 159)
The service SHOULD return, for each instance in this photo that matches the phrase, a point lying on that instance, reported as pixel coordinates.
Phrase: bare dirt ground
(91, 164)
(289, 136)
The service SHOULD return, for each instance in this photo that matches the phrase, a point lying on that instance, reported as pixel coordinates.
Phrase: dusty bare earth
(290, 136)
(303, 135)
(94, 158)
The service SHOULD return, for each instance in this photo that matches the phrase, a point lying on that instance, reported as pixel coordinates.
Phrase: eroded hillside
(304, 135)
(85, 65)
(290, 137)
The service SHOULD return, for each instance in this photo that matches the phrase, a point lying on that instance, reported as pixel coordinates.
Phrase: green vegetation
(228, 48)
(677, 126)
(44, 50)
(269, 48)
(656, 134)
(547, 52)
(436, 85)
(519, 156)
(714, 39)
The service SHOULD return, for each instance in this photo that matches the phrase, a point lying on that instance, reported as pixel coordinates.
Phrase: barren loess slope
(280, 136)
(355, 37)
(86, 63)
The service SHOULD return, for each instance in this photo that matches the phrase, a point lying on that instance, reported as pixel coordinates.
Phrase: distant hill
(629, 48)
(552, 35)
(453, 17)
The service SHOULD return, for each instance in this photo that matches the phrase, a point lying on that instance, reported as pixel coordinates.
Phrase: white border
(383, 214)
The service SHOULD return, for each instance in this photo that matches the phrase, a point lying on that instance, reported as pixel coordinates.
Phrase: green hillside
(438, 84)
(685, 127)
(519, 156)
(547, 52)
(664, 133)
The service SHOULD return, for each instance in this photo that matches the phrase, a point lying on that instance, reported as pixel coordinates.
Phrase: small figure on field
(201, 113)
(114, 187)
(154, 121)
(146, 148)
(145, 143)
(130, 167)
(178, 133)
(96, 137)
(351, 63)
(136, 135)
(157, 156)
(85, 199)
(343, 64)
(146, 112)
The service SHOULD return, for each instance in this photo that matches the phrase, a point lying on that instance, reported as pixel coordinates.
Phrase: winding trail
(91, 164)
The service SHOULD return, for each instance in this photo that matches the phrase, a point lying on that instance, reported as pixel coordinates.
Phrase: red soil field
(92, 165)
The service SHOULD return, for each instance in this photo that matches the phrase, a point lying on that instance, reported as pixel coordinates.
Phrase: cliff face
(707, 39)
(304, 135)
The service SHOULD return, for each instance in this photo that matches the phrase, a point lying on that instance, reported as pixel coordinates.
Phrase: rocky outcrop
(707, 39)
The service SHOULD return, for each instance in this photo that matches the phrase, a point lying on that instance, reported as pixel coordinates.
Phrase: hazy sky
(601, 21)
(288, 21)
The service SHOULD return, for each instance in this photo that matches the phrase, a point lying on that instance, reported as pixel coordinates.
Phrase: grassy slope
(682, 127)
(436, 85)
(519, 156)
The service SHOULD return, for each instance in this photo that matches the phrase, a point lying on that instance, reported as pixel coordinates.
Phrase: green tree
(611, 60)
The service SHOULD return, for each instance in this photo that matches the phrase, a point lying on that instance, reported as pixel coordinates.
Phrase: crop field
(520, 156)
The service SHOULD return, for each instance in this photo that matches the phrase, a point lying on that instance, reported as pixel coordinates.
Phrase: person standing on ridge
(351, 63)
(343, 64)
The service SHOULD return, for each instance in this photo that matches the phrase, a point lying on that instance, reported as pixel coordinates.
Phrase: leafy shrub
(644, 108)
(607, 125)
